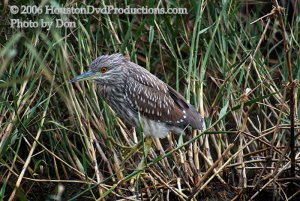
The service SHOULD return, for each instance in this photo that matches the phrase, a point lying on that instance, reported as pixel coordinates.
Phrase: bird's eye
(103, 69)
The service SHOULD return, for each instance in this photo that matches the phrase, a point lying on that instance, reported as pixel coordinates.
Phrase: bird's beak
(84, 76)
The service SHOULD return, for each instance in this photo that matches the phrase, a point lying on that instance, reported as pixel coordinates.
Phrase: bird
(140, 98)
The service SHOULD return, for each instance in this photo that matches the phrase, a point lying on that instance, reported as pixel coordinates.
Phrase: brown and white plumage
(132, 90)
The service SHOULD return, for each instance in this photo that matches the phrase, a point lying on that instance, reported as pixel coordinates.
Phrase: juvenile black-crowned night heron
(132, 91)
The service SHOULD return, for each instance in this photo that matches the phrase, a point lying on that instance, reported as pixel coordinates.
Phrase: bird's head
(104, 68)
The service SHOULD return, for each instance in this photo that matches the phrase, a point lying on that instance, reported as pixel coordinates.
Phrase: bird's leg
(141, 167)
(147, 147)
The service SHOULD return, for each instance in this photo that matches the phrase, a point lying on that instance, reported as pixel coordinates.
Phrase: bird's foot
(133, 148)
(130, 151)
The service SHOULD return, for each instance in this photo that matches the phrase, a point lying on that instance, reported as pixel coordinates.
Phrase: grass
(62, 141)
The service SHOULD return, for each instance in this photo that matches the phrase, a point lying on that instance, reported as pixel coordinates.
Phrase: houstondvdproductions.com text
(89, 9)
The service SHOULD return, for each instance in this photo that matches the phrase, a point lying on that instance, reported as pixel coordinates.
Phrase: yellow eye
(103, 69)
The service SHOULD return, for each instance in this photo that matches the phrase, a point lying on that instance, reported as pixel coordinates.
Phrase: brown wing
(150, 96)
(158, 101)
